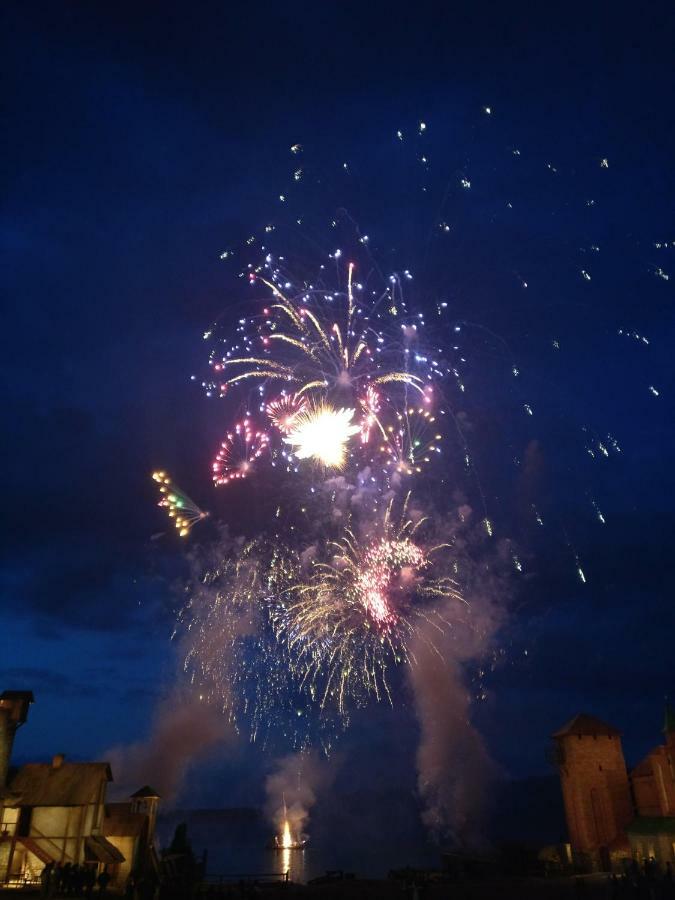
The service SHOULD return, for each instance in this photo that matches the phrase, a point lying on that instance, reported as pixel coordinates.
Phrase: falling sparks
(320, 610)
(598, 513)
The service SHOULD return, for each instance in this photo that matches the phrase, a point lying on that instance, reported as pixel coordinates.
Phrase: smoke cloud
(454, 767)
(455, 770)
(292, 789)
(184, 731)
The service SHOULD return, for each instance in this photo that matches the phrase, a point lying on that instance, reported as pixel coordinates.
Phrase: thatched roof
(68, 784)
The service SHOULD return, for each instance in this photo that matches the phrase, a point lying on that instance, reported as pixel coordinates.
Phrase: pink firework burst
(238, 451)
(284, 410)
(387, 565)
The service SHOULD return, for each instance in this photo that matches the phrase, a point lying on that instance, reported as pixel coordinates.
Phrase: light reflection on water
(293, 862)
(238, 847)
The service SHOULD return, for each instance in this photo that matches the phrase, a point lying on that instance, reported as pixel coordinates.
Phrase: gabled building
(57, 813)
(613, 813)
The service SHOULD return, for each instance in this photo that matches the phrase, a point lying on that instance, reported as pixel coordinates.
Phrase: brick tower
(595, 787)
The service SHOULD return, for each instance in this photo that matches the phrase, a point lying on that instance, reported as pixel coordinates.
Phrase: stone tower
(595, 788)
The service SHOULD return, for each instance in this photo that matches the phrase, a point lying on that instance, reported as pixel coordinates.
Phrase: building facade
(614, 814)
(58, 813)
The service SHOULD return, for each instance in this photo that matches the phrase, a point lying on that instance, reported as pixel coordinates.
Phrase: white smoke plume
(184, 731)
(293, 789)
(455, 771)
(454, 768)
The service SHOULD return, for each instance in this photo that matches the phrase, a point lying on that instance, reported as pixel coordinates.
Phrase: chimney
(13, 713)
(57, 760)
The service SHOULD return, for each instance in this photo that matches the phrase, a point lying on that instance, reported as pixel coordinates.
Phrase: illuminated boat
(285, 840)
(278, 843)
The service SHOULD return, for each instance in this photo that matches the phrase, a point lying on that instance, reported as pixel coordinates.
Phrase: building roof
(119, 821)
(69, 784)
(145, 791)
(586, 725)
(652, 825)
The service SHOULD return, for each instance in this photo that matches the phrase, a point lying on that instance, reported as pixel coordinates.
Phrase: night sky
(141, 141)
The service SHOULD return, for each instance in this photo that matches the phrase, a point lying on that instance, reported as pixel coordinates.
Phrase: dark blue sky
(142, 140)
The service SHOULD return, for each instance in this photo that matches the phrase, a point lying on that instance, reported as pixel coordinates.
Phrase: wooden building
(58, 812)
(57, 816)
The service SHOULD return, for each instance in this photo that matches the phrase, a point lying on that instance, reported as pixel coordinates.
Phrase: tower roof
(145, 791)
(586, 725)
(669, 722)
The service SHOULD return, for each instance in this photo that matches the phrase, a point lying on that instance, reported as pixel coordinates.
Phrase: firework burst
(318, 339)
(238, 451)
(352, 619)
(184, 511)
(322, 433)
(323, 625)
(283, 411)
(411, 440)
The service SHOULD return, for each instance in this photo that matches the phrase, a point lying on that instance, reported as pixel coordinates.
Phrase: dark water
(367, 832)
(303, 865)
(236, 844)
